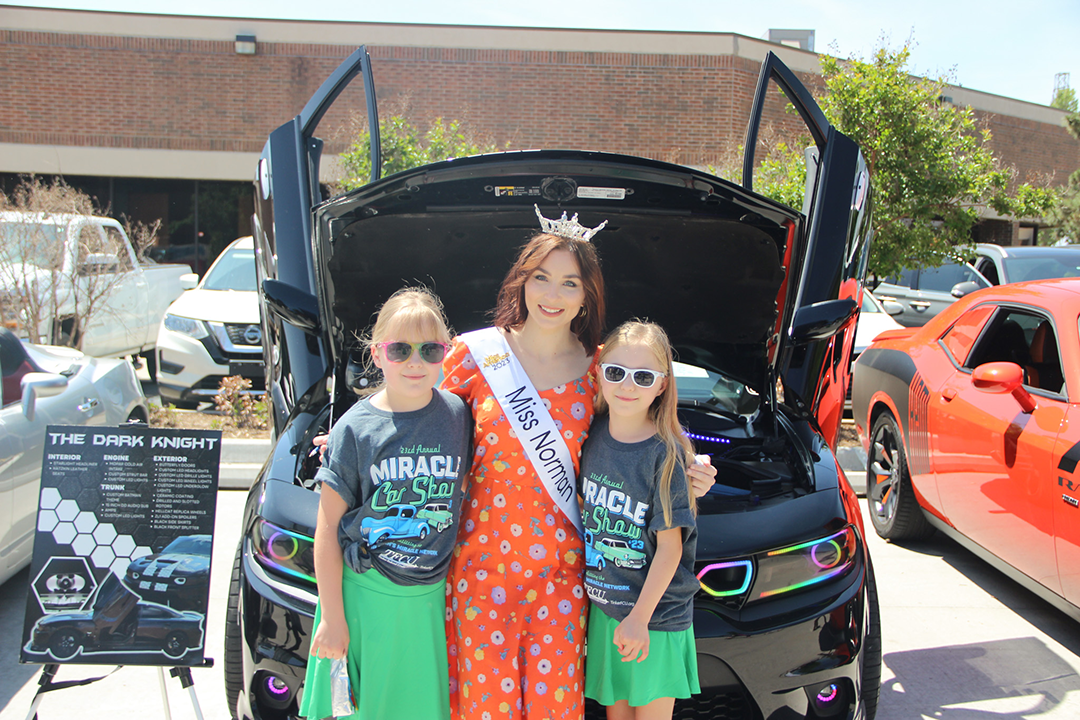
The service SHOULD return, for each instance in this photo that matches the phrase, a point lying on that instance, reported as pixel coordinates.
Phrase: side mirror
(294, 306)
(188, 281)
(98, 264)
(35, 385)
(892, 307)
(959, 290)
(1003, 377)
(821, 320)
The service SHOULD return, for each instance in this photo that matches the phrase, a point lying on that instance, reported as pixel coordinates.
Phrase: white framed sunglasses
(642, 377)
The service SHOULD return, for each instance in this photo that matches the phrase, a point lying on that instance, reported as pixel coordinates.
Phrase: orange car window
(961, 336)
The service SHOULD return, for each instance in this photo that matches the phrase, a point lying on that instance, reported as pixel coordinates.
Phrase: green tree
(405, 146)
(1064, 99)
(931, 165)
(1065, 216)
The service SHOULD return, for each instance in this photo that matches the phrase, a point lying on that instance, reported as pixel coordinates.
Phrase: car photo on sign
(178, 576)
(966, 425)
(117, 624)
(760, 302)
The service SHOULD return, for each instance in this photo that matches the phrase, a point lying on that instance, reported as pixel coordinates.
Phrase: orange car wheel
(894, 510)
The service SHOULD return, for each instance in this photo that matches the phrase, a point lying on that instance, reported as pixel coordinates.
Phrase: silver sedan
(44, 385)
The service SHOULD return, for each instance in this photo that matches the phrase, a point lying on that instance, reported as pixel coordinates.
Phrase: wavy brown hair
(510, 311)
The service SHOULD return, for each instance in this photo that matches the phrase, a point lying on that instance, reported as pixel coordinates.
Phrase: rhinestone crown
(567, 228)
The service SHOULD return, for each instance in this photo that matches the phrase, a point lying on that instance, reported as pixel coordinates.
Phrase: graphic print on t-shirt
(614, 529)
(414, 496)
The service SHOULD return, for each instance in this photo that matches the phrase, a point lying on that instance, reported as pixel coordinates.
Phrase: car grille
(243, 333)
(708, 705)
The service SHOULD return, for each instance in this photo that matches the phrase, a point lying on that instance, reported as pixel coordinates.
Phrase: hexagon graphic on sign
(64, 585)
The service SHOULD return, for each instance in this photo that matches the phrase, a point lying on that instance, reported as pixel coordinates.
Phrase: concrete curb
(241, 461)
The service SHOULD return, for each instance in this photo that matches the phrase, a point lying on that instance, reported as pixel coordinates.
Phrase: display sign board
(121, 566)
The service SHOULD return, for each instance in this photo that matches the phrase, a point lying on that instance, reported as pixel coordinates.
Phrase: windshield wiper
(713, 406)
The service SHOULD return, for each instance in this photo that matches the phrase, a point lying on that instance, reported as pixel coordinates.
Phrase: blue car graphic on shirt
(593, 558)
(400, 521)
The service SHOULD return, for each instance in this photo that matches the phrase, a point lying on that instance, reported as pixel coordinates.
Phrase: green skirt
(669, 671)
(397, 651)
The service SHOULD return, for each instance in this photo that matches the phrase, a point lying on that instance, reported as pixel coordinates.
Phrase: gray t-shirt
(402, 475)
(622, 514)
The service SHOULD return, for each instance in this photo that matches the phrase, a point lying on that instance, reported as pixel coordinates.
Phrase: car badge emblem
(253, 334)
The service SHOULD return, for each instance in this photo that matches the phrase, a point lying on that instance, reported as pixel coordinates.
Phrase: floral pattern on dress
(516, 609)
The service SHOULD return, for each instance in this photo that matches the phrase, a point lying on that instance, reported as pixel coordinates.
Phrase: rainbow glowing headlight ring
(749, 574)
(272, 533)
(842, 567)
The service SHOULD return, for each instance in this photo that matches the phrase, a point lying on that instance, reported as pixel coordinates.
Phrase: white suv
(213, 331)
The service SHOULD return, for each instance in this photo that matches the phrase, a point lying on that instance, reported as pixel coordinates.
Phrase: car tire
(894, 509)
(175, 644)
(64, 645)
(871, 655)
(423, 532)
(234, 640)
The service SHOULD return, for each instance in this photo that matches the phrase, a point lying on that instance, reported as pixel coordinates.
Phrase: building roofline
(350, 33)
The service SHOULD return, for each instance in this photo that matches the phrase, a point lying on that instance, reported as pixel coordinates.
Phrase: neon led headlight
(799, 566)
(284, 551)
(726, 579)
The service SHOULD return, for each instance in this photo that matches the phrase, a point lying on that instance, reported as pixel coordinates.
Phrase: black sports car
(118, 623)
(178, 576)
(760, 301)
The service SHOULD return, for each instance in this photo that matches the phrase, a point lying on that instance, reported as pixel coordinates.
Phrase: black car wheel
(894, 510)
(175, 644)
(871, 656)
(64, 645)
(234, 641)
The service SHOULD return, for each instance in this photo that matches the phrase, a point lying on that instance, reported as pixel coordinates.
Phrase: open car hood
(746, 287)
(700, 256)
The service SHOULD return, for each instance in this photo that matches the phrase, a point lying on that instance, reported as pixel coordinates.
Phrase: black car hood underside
(691, 252)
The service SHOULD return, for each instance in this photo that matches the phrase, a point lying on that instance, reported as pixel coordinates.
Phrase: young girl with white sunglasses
(392, 484)
(640, 533)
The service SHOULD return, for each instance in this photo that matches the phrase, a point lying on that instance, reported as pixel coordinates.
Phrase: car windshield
(704, 386)
(1065, 264)
(30, 243)
(189, 545)
(235, 270)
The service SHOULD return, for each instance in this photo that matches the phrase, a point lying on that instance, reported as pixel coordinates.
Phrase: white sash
(521, 403)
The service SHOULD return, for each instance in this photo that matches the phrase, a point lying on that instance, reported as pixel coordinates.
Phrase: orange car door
(1065, 499)
(992, 460)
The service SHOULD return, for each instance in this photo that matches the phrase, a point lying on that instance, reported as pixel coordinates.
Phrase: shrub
(243, 411)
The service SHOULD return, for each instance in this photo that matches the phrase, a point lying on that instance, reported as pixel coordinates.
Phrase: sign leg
(164, 693)
(184, 673)
(47, 674)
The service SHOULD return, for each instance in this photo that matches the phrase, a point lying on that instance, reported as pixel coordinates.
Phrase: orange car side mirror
(1003, 377)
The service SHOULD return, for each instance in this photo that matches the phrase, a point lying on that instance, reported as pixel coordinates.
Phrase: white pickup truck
(78, 277)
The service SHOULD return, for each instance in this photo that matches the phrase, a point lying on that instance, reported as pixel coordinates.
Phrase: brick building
(164, 116)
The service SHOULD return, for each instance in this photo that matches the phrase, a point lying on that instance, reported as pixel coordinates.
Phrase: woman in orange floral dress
(516, 609)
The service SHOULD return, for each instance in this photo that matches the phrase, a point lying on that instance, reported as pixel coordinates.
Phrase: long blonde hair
(663, 412)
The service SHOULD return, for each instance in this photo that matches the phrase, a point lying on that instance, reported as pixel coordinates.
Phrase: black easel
(48, 672)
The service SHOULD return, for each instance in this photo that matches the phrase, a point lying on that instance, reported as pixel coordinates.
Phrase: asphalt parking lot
(961, 642)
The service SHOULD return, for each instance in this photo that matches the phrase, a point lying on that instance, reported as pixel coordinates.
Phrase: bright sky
(1006, 47)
